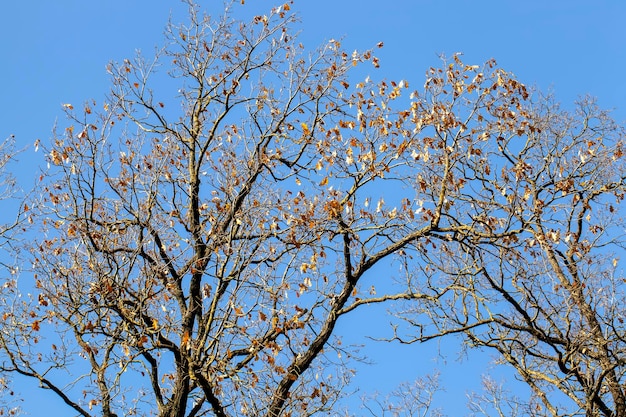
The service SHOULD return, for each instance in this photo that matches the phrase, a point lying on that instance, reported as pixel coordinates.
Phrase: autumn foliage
(206, 227)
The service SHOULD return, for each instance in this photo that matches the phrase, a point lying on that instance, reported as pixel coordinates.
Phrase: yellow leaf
(305, 129)
(324, 181)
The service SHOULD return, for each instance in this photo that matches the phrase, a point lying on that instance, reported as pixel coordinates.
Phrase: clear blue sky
(55, 52)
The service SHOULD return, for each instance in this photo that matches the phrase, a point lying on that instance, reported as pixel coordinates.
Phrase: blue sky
(56, 52)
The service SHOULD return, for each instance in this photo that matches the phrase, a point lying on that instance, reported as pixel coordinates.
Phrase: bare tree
(495, 399)
(409, 399)
(9, 194)
(196, 256)
(537, 276)
(208, 227)
(10, 239)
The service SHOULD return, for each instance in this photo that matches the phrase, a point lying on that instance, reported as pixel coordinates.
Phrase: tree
(200, 253)
(9, 190)
(207, 229)
(10, 237)
(409, 400)
(536, 275)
